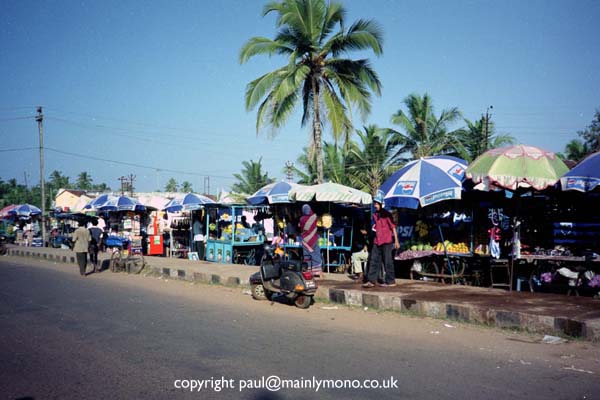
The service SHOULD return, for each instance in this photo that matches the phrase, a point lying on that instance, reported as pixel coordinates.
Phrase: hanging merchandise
(494, 242)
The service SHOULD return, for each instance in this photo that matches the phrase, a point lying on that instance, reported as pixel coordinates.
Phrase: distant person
(245, 223)
(96, 234)
(361, 255)
(165, 230)
(198, 232)
(310, 245)
(381, 252)
(81, 241)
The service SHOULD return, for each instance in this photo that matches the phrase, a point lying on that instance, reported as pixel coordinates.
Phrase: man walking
(81, 240)
(96, 234)
(385, 230)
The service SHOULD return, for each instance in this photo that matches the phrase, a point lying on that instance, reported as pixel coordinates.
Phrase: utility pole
(130, 184)
(289, 170)
(207, 185)
(123, 183)
(487, 129)
(40, 120)
(26, 176)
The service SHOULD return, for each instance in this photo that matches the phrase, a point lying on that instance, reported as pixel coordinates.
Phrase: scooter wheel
(303, 301)
(258, 292)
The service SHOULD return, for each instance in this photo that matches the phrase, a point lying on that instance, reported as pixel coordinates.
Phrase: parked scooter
(291, 278)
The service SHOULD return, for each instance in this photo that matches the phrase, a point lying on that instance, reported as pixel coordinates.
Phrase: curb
(587, 329)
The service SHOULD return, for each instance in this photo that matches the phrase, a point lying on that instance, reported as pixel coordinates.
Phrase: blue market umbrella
(99, 201)
(585, 176)
(273, 193)
(188, 202)
(25, 210)
(121, 203)
(425, 181)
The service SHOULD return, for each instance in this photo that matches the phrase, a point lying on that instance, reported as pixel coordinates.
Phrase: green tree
(576, 150)
(591, 135)
(313, 36)
(171, 185)
(251, 177)
(84, 181)
(423, 134)
(186, 187)
(59, 181)
(101, 187)
(308, 172)
(371, 160)
(472, 142)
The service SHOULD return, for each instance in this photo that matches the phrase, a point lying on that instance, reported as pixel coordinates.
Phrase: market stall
(233, 234)
(434, 227)
(183, 210)
(125, 218)
(341, 209)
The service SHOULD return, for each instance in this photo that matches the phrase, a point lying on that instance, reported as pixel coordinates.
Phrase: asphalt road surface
(123, 337)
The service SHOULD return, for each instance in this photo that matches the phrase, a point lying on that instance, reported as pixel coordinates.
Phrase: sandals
(368, 285)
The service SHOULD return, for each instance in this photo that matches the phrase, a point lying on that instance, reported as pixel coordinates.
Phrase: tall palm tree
(370, 162)
(313, 37)
(472, 141)
(335, 164)
(171, 185)
(251, 178)
(186, 187)
(84, 181)
(423, 134)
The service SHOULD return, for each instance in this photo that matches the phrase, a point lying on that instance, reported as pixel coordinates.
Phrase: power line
(16, 118)
(18, 149)
(130, 164)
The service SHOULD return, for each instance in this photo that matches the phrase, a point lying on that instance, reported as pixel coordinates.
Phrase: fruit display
(415, 245)
(452, 247)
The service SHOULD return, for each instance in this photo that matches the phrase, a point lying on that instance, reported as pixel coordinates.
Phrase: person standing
(310, 245)
(165, 230)
(198, 232)
(96, 234)
(385, 231)
(81, 241)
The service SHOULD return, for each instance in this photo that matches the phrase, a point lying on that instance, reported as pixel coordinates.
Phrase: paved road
(118, 336)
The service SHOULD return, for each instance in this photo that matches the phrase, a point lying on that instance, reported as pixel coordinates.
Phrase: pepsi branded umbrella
(425, 181)
(188, 202)
(585, 176)
(273, 193)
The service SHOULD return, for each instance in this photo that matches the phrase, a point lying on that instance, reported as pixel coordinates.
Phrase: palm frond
(261, 45)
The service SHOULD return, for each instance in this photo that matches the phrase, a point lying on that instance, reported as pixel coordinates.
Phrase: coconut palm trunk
(317, 134)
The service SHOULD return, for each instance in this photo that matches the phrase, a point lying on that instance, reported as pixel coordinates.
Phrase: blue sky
(158, 83)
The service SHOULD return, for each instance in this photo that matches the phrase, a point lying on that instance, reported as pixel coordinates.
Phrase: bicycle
(131, 262)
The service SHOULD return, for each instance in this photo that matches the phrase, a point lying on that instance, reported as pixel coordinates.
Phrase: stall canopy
(98, 201)
(273, 193)
(25, 210)
(516, 167)
(122, 203)
(188, 202)
(425, 181)
(330, 192)
(584, 177)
